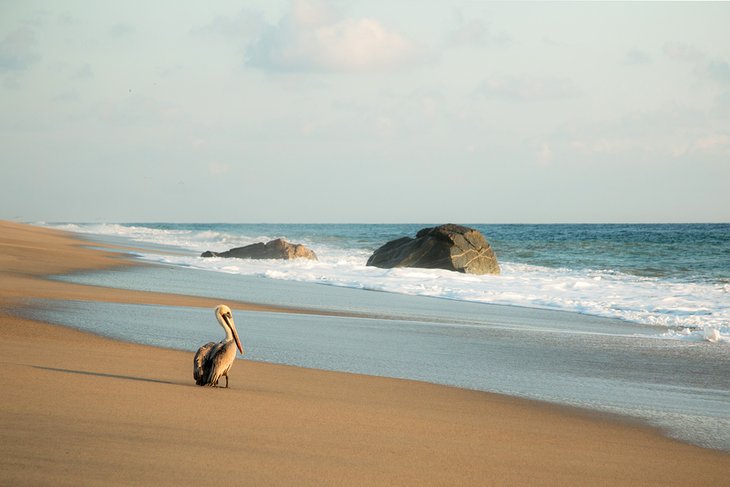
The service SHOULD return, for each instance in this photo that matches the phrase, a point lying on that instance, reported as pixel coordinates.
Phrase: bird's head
(225, 318)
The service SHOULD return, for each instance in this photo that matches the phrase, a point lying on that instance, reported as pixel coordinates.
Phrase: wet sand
(80, 409)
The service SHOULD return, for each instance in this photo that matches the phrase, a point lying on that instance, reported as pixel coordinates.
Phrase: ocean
(674, 276)
(626, 319)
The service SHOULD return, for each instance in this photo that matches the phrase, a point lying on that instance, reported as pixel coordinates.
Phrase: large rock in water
(451, 247)
(275, 249)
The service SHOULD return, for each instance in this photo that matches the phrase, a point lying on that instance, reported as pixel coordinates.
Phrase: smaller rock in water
(275, 249)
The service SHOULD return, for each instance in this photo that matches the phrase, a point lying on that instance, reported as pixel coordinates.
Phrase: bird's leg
(226, 381)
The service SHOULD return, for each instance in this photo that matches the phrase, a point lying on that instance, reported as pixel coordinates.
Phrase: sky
(347, 111)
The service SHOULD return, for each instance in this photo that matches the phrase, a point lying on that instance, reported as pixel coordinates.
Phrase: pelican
(213, 360)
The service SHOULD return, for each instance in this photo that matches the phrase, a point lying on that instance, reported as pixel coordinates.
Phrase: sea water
(676, 277)
(570, 320)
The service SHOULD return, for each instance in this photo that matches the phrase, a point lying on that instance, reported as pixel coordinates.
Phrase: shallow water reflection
(679, 386)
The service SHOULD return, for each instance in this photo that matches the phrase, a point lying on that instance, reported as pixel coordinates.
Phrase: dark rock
(275, 249)
(451, 247)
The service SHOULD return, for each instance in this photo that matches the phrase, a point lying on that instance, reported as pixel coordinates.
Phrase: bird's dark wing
(199, 362)
(214, 363)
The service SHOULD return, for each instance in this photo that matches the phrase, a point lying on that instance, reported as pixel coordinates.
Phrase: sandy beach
(80, 409)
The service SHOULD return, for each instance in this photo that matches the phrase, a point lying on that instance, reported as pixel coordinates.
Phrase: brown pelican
(214, 360)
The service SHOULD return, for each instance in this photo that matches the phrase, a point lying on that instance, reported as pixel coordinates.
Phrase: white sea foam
(186, 239)
(690, 310)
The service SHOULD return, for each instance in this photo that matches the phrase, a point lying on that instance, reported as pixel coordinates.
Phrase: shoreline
(86, 409)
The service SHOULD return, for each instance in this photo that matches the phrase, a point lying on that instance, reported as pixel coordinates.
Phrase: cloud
(247, 23)
(722, 104)
(134, 110)
(637, 57)
(17, 50)
(314, 37)
(674, 131)
(385, 126)
(476, 33)
(719, 71)
(607, 145)
(683, 52)
(217, 168)
(528, 88)
(715, 69)
(84, 72)
(544, 155)
(714, 144)
(121, 30)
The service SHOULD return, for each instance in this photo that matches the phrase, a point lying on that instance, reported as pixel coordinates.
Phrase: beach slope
(80, 409)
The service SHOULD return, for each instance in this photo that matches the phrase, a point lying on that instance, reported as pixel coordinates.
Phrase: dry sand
(79, 409)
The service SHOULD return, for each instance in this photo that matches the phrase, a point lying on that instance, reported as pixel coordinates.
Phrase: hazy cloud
(683, 52)
(671, 130)
(611, 144)
(722, 104)
(134, 110)
(715, 69)
(205, 88)
(714, 143)
(17, 50)
(84, 72)
(247, 23)
(314, 37)
(719, 70)
(637, 57)
(528, 88)
(121, 30)
(476, 33)
(544, 155)
(217, 168)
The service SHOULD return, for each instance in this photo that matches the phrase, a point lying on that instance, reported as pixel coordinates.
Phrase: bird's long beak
(232, 325)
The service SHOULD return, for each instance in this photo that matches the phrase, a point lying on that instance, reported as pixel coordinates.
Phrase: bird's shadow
(102, 374)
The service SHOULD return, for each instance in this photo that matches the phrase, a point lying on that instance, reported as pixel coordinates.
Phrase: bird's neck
(227, 329)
